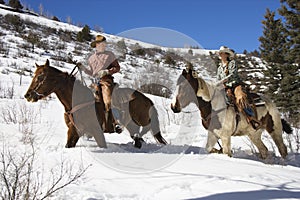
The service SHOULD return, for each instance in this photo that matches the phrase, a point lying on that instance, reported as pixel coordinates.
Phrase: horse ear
(37, 66)
(47, 63)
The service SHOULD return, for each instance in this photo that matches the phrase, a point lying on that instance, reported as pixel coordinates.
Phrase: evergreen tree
(272, 49)
(33, 39)
(290, 10)
(15, 4)
(84, 34)
(280, 48)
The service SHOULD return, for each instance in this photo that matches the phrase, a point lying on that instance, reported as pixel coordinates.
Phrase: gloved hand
(79, 65)
(102, 73)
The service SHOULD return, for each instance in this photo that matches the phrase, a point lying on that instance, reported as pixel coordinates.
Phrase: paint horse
(222, 121)
(84, 115)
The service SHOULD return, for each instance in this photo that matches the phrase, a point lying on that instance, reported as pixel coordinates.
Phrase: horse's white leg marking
(211, 141)
(173, 102)
(226, 144)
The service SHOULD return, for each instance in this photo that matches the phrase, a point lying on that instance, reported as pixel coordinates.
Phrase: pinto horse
(222, 121)
(84, 115)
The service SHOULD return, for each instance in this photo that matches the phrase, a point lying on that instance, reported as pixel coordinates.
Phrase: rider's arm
(114, 67)
(233, 76)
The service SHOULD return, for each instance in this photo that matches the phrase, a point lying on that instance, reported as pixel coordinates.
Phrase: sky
(210, 24)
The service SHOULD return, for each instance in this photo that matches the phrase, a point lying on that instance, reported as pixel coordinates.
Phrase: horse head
(42, 83)
(186, 89)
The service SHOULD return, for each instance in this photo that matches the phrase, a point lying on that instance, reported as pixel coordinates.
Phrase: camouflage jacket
(228, 74)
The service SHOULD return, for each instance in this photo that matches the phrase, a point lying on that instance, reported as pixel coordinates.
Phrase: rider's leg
(106, 93)
(244, 107)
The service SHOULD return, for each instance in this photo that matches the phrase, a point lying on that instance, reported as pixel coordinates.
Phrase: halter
(39, 85)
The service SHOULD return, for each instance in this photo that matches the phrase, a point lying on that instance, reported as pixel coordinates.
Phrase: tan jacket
(101, 61)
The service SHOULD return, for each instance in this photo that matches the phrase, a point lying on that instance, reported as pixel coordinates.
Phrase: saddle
(246, 103)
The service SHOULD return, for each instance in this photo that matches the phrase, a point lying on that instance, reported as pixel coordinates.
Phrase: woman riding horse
(227, 74)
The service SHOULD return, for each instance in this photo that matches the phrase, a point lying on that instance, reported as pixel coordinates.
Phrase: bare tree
(20, 180)
(41, 9)
(69, 20)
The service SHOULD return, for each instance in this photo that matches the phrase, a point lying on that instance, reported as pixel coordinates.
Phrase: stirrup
(255, 124)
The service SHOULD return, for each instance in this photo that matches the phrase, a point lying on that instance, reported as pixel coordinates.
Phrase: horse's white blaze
(173, 102)
(203, 90)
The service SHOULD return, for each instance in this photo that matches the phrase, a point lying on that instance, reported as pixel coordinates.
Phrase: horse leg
(211, 141)
(256, 140)
(226, 143)
(134, 134)
(154, 127)
(72, 137)
(99, 138)
(277, 137)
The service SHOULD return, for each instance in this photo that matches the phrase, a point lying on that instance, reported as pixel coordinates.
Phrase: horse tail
(159, 138)
(286, 126)
(154, 124)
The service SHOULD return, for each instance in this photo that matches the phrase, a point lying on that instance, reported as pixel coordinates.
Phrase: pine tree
(272, 50)
(290, 10)
(15, 4)
(84, 34)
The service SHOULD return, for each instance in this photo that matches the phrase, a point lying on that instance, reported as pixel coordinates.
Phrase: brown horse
(82, 114)
(135, 110)
(222, 121)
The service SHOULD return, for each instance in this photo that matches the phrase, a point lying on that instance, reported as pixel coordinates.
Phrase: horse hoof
(118, 129)
(214, 150)
(138, 142)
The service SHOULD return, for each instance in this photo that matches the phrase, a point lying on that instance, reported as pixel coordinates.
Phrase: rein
(79, 106)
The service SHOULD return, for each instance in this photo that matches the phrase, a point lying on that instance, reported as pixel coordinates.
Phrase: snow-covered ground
(180, 170)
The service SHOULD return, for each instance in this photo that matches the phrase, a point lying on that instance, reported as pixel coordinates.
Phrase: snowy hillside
(180, 170)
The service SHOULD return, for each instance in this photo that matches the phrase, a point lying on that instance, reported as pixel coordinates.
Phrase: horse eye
(40, 77)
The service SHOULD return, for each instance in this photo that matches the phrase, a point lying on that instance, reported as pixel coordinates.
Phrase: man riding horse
(102, 65)
(227, 74)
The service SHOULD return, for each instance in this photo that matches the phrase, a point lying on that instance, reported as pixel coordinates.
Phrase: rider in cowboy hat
(228, 75)
(102, 65)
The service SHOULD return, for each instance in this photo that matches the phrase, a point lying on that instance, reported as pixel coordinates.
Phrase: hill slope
(180, 170)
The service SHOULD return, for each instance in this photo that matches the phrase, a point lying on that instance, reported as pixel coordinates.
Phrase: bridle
(40, 83)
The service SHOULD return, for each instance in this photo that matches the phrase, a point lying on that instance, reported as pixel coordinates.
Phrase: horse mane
(205, 89)
(64, 75)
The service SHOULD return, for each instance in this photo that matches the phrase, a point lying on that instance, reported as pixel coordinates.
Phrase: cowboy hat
(224, 49)
(99, 38)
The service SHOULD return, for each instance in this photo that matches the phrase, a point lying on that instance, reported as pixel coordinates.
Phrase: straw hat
(99, 38)
(224, 49)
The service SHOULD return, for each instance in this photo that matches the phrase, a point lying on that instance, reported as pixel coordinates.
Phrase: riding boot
(255, 123)
(109, 122)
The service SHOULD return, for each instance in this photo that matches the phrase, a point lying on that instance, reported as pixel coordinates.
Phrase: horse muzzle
(32, 96)
(175, 108)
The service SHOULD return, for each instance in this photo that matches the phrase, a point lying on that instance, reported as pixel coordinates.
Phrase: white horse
(222, 121)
